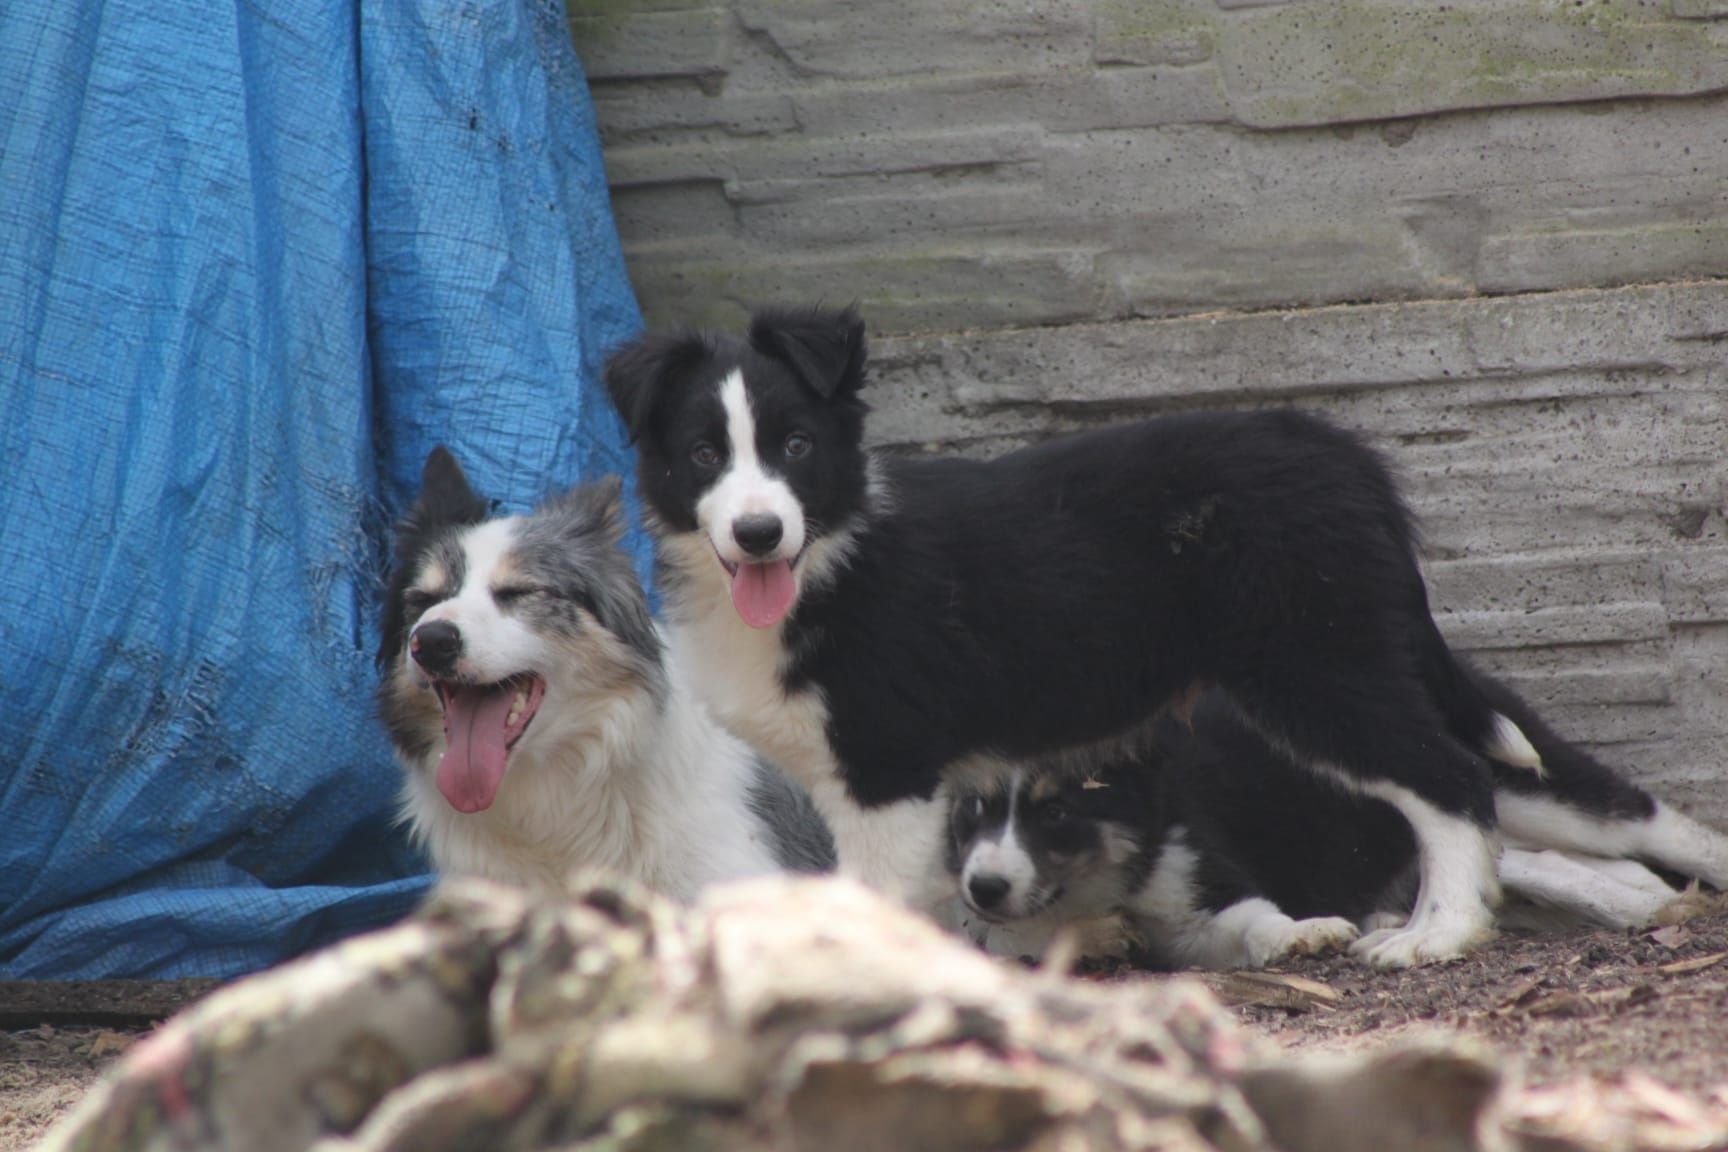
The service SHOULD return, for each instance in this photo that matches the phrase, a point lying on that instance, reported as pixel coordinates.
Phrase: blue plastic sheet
(255, 260)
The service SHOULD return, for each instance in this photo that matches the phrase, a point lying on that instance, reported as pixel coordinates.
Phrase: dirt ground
(1578, 1002)
(1583, 1001)
(57, 1038)
(43, 1072)
(1595, 1002)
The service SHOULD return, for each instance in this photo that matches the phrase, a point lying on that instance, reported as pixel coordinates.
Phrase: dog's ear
(446, 501)
(641, 373)
(446, 497)
(825, 348)
(603, 503)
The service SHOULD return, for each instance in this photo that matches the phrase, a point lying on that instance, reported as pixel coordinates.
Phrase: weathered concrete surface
(981, 163)
(1567, 453)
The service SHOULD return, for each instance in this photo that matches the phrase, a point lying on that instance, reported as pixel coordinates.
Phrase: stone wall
(1482, 232)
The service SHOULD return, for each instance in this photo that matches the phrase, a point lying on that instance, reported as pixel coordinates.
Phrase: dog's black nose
(757, 535)
(987, 891)
(436, 645)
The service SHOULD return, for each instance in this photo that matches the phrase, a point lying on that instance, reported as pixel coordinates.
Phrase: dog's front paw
(1299, 938)
(1440, 938)
(1383, 922)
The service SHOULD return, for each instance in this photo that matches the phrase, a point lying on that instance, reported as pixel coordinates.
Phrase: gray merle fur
(801, 839)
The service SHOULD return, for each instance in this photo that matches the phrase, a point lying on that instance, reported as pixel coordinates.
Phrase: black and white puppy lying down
(540, 726)
(878, 626)
(1211, 848)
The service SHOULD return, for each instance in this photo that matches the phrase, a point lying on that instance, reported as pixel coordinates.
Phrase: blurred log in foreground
(783, 1014)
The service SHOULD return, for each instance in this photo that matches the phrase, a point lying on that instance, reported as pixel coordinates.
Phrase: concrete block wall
(1482, 232)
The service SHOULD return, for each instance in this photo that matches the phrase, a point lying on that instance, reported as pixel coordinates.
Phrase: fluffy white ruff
(651, 789)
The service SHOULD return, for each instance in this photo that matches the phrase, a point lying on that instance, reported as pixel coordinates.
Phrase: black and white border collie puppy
(878, 625)
(1216, 850)
(539, 724)
(1103, 849)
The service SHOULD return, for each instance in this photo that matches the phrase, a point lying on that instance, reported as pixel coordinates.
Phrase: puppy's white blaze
(1509, 746)
(746, 487)
(1005, 857)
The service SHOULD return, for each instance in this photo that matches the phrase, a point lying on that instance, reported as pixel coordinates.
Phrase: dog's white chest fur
(736, 671)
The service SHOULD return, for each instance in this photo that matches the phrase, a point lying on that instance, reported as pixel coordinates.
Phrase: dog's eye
(416, 601)
(706, 455)
(798, 445)
(1054, 814)
(513, 594)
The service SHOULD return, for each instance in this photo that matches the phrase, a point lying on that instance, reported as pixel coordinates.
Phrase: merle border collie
(878, 626)
(1212, 848)
(539, 725)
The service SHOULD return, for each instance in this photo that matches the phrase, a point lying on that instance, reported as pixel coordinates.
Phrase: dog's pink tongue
(763, 593)
(475, 751)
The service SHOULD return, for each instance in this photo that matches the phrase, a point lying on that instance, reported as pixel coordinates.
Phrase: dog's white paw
(1321, 934)
(1438, 938)
(1299, 938)
(1383, 922)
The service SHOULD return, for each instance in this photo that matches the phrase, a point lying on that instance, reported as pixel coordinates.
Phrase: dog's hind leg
(1661, 836)
(1593, 890)
(1579, 804)
(1375, 731)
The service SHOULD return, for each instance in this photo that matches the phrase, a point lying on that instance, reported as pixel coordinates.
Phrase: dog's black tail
(1569, 773)
(1471, 716)
(1525, 755)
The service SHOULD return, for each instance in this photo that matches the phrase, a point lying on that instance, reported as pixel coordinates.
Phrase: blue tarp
(255, 260)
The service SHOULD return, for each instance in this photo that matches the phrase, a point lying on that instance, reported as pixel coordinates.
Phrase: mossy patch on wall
(1311, 64)
(1295, 64)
